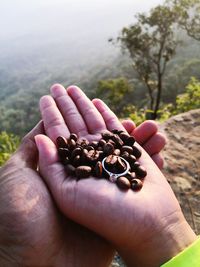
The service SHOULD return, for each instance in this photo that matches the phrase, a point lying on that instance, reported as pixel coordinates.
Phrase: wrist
(160, 246)
(174, 240)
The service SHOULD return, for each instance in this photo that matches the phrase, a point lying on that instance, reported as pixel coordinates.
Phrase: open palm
(125, 219)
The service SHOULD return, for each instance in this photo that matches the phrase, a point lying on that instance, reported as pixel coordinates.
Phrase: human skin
(145, 227)
(32, 230)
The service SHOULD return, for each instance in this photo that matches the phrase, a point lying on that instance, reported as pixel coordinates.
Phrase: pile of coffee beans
(82, 159)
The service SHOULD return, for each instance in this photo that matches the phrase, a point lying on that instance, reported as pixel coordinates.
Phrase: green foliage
(190, 99)
(114, 92)
(184, 102)
(8, 144)
(135, 114)
(165, 112)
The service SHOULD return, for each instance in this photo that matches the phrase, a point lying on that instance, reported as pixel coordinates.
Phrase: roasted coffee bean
(135, 166)
(92, 156)
(94, 144)
(105, 174)
(130, 141)
(101, 155)
(118, 141)
(124, 136)
(137, 152)
(77, 161)
(84, 159)
(90, 148)
(107, 135)
(77, 151)
(70, 169)
(131, 176)
(125, 155)
(74, 137)
(141, 172)
(83, 172)
(63, 152)
(98, 169)
(85, 151)
(117, 152)
(61, 142)
(111, 160)
(115, 131)
(110, 141)
(108, 149)
(120, 165)
(132, 160)
(65, 161)
(102, 142)
(128, 149)
(71, 144)
(123, 183)
(82, 142)
(136, 184)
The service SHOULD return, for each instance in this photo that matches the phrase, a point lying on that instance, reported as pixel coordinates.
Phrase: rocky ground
(182, 165)
(182, 162)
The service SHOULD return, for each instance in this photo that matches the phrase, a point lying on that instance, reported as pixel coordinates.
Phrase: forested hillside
(30, 64)
(25, 76)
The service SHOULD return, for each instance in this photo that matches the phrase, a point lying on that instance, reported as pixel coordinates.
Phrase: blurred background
(97, 46)
(141, 57)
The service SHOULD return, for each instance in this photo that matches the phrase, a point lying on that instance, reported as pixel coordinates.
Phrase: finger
(93, 119)
(129, 125)
(155, 144)
(144, 131)
(51, 170)
(158, 159)
(54, 123)
(68, 109)
(111, 120)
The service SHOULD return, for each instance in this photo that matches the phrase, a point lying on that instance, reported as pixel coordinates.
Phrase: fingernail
(37, 141)
(57, 90)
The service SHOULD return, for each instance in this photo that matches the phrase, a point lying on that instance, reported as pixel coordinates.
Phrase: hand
(148, 136)
(32, 230)
(32, 215)
(146, 227)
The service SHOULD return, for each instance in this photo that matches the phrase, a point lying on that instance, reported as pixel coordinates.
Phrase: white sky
(18, 17)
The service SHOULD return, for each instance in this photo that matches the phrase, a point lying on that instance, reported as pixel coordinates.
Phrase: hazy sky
(20, 17)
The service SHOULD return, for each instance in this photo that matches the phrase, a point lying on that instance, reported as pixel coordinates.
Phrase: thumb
(50, 168)
(27, 152)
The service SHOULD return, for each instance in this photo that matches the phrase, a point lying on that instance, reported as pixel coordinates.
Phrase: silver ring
(113, 176)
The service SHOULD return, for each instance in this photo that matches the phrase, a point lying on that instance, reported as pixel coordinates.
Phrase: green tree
(190, 99)
(151, 44)
(8, 144)
(188, 16)
(115, 93)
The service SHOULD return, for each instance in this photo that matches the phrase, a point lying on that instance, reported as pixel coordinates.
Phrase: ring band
(113, 176)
